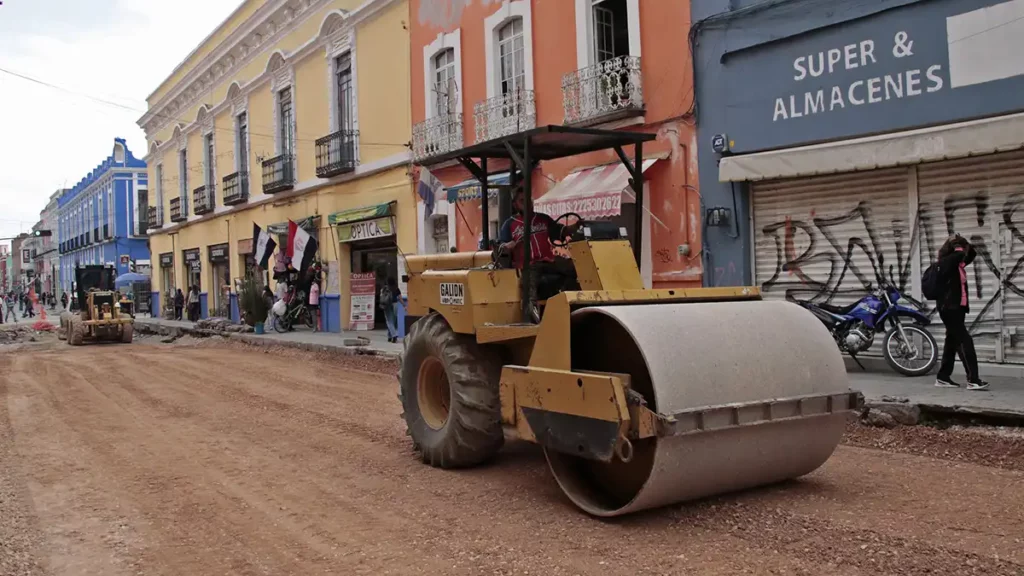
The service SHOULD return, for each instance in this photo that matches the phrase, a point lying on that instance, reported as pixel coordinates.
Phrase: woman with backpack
(950, 279)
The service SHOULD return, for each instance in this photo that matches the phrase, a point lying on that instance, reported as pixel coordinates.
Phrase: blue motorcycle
(909, 348)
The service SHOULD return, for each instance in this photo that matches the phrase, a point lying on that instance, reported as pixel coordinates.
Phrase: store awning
(592, 193)
(364, 223)
(960, 140)
(470, 189)
(363, 213)
(308, 224)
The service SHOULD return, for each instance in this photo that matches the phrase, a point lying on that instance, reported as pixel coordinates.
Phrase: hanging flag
(262, 246)
(301, 246)
(427, 189)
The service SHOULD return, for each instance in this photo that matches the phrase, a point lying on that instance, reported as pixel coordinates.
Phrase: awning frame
(525, 150)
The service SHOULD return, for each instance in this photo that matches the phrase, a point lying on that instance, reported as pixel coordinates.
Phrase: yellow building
(290, 110)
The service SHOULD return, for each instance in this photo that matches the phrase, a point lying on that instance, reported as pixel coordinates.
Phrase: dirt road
(147, 459)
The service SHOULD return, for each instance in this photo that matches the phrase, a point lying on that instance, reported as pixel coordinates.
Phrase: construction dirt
(222, 459)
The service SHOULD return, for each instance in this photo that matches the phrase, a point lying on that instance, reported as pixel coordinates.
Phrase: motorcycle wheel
(929, 350)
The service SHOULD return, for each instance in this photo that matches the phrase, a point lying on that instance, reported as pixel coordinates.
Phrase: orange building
(487, 68)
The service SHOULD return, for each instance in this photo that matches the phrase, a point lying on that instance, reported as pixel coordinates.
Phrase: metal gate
(981, 198)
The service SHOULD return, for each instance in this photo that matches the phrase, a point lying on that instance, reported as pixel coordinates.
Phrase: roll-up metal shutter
(819, 238)
(982, 198)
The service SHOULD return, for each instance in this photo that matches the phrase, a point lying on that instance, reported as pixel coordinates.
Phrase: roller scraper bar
(714, 418)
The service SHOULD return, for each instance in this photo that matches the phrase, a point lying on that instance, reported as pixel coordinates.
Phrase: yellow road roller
(639, 397)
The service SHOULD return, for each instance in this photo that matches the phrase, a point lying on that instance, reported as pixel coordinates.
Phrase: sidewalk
(301, 337)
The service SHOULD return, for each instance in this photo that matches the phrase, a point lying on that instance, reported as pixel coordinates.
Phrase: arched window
(511, 70)
(444, 77)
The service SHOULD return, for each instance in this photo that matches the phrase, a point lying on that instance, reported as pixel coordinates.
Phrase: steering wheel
(561, 242)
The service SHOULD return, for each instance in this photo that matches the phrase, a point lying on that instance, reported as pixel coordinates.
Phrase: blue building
(843, 142)
(103, 218)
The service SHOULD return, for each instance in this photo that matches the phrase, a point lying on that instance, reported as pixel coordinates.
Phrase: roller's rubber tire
(76, 332)
(127, 331)
(472, 432)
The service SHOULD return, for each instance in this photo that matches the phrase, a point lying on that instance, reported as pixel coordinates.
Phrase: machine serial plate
(453, 294)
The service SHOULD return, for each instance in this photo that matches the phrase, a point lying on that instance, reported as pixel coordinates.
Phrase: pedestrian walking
(389, 298)
(179, 304)
(314, 304)
(10, 313)
(953, 303)
(193, 304)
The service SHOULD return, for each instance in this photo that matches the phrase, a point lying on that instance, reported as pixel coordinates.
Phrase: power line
(176, 118)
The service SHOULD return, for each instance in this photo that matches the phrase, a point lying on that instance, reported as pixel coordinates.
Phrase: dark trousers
(177, 312)
(958, 343)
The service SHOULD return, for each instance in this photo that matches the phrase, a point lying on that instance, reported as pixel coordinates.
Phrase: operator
(542, 255)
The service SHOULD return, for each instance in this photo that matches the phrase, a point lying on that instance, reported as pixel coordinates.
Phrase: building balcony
(278, 174)
(438, 135)
(179, 209)
(202, 199)
(336, 153)
(156, 217)
(604, 92)
(504, 115)
(235, 188)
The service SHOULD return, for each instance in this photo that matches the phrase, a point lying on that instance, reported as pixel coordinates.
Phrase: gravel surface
(226, 459)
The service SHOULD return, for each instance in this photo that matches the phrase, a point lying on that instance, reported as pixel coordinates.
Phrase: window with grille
(343, 78)
(510, 57)
(444, 77)
(285, 119)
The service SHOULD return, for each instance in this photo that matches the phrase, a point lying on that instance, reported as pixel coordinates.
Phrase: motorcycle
(854, 328)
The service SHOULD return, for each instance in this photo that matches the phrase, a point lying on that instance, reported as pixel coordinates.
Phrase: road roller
(638, 397)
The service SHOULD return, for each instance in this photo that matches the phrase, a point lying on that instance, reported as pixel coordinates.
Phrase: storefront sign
(192, 259)
(219, 253)
(365, 230)
(26, 256)
(167, 260)
(363, 290)
(922, 64)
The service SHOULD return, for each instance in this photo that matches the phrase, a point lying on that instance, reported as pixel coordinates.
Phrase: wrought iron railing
(179, 209)
(503, 115)
(603, 92)
(336, 153)
(236, 188)
(202, 199)
(156, 217)
(437, 135)
(278, 174)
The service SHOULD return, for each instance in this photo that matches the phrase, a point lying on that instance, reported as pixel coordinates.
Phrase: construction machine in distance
(99, 317)
(639, 397)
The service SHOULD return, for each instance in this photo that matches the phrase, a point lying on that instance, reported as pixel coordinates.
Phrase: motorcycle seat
(844, 310)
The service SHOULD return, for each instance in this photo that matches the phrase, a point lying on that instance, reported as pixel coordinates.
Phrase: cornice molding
(268, 25)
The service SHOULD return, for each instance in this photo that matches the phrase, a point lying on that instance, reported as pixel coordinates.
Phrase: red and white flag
(301, 246)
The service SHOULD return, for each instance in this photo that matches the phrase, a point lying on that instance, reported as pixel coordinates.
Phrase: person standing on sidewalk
(954, 257)
(389, 296)
(314, 304)
(11, 313)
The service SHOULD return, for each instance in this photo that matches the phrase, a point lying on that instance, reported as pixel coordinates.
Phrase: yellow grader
(99, 317)
(639, 397)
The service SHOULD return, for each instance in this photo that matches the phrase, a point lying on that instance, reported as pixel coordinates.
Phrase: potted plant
(251, 303)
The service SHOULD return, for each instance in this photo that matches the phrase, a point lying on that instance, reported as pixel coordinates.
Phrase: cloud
(117, 50)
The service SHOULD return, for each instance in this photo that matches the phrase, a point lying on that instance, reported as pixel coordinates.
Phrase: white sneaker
(980, 385)
(945, 383)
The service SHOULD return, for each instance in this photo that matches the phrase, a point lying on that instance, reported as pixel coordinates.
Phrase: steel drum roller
(686, 356)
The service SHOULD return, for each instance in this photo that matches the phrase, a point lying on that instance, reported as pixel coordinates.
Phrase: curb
(253, 340)
(988, 369)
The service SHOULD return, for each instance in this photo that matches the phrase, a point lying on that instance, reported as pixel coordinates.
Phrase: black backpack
(931, 287)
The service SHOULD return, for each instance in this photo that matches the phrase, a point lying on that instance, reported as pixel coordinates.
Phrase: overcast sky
(117, 50)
